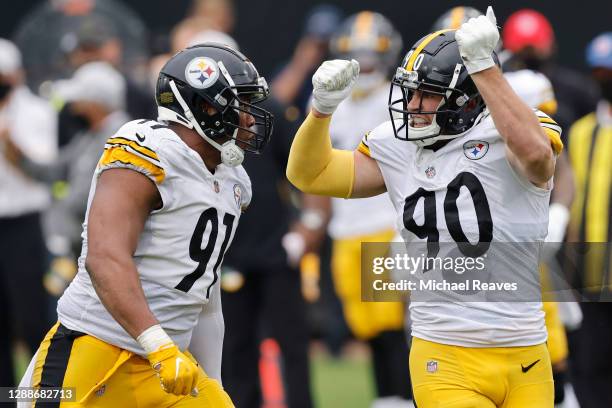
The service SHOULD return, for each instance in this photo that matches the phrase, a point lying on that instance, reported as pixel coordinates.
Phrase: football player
(372, 40)
(536, 91)
(165, 201)
(462, 128)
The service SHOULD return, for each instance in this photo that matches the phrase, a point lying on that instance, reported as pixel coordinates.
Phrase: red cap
(528, 28)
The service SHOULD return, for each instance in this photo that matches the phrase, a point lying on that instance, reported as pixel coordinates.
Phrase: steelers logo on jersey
(475, 149)
(202, 72)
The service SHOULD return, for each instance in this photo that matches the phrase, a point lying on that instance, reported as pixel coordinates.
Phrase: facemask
(5, 89)
(367, 82)
(231, 154)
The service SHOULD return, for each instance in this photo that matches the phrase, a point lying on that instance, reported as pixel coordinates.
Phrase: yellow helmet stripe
(363, 24)
(420, 47)
(456, 17)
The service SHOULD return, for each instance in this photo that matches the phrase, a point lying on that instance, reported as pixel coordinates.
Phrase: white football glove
(477, 39)
(332, 83)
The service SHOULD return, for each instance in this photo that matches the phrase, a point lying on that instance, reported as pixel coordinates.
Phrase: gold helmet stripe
(363, 24)
(456, 17)
(420, 47)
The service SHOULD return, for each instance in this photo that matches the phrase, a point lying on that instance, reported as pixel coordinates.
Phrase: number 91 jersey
(182, 245)
(467, 191)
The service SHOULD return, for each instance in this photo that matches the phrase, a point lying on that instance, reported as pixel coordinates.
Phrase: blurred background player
(106, 30)
(96, 97)
(28, 122)
(291, 85)
(529, 44)
(590, 149)
(96, 38)
(529, 40)
(220, 13)
(371, 39)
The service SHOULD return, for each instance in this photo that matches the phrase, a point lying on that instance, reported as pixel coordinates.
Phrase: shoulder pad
(134, 146)
(552, 130)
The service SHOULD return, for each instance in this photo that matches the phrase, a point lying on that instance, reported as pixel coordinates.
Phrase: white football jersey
(181, 248)
(353, 119)
(466, 188)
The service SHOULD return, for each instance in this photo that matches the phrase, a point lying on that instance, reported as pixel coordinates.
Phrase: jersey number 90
(429, 227)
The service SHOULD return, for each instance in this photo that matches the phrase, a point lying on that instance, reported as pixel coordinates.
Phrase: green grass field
(344, 382)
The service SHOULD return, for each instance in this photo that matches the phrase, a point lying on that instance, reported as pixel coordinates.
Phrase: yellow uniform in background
(365, 319)
(361, 220)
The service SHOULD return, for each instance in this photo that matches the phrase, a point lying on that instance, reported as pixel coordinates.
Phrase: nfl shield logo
(100, 391)
(432, 366)
(430, 172)
(475, 149)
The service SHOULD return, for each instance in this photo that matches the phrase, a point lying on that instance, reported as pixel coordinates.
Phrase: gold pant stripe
(42, 355)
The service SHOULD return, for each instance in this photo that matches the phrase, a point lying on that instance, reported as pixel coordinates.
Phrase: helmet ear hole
(208, 109)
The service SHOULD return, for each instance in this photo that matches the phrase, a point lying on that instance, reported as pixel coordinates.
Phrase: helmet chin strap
(231, 154)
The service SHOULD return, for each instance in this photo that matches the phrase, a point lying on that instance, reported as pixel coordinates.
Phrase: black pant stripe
(56, 361)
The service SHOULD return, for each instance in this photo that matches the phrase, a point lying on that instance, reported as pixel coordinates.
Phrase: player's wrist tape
(324, 107)
(153, 339)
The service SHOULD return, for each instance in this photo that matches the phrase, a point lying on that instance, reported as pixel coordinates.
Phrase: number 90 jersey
(181, 248)
(466, 191)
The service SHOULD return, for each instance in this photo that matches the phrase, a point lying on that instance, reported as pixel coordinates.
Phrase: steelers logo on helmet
(202, 72)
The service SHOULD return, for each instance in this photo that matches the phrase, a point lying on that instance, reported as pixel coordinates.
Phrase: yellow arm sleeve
(314, 166)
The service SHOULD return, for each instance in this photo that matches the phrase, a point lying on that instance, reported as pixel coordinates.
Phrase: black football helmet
(433, 65)
(225, 79)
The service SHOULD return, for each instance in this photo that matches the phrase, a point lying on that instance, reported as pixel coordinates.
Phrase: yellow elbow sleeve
(314, 166)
